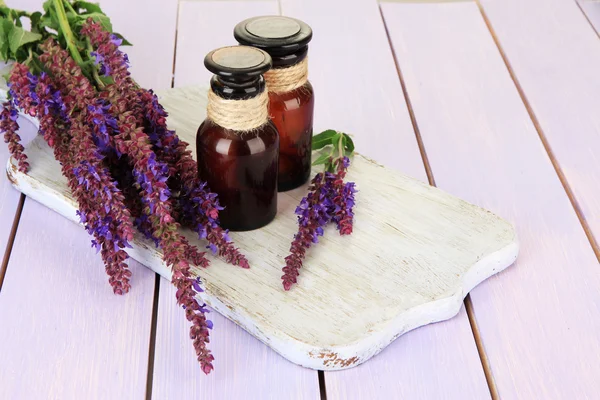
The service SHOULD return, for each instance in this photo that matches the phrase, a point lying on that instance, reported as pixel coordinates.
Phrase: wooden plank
(358, 90)
(244, 367)
(591, 8)
(538, 321)
(356, 85)
(205, 26)
(87, 342)
(150, 25)
(555, 57)
(64, 334)
(9, 197)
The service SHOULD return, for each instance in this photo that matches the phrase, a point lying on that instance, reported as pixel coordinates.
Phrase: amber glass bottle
(291, 94)
(237, 145)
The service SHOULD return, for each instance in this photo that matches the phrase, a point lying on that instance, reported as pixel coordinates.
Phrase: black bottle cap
(238, 63)
(238, 71)
(285, 39)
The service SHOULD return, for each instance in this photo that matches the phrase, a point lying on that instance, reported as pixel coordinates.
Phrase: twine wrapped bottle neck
(238, 115)
(282, 80)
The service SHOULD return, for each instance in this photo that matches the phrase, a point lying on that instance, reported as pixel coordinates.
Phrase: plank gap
(175, 45)
(430, 177)
(586, 16)
(542, 136)
(322, 387)
(11, 239)
(413, 120)
(152, 344)
(485, 361)
(427, 1)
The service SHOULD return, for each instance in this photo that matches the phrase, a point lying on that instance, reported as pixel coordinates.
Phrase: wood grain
(64, 334)
(357, 89)
(205, 26)
(538, 321)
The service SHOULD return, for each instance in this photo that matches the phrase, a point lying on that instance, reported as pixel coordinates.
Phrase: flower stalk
(124, 167)
(329, 199)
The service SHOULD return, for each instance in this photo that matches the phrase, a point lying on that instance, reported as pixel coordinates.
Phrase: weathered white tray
(414, 255)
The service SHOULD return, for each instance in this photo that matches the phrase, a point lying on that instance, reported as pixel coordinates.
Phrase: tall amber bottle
(291, 94)
(237, 145)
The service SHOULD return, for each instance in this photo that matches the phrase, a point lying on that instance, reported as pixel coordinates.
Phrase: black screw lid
(238, 70)
(284, 38)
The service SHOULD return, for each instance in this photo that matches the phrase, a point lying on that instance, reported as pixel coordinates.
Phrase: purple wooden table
(494, 101)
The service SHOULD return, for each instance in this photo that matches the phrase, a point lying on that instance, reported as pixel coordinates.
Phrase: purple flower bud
(196, 284)
(115, 40)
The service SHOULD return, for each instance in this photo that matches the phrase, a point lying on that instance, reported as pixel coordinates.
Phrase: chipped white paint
(415, 253)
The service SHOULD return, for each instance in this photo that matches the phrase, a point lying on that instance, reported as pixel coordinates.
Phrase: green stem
(69, 6)
(341, 146)
(94, 70)
(67, 32)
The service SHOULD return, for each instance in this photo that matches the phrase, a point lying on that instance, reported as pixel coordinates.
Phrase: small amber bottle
(291, 94)
(237, 145)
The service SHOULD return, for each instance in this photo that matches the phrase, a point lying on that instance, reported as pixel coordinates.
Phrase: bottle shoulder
(297, 98)
(212, 137)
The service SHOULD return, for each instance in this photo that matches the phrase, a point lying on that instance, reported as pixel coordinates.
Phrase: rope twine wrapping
(281, 80)
(238, 115)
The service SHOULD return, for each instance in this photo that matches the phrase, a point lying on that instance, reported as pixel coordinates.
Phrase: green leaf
(107, 80)
(125, 41)
(322, 159)
(35, 21)
(19, 37)
(50, 20)
(323, 139)
(87, 7)
(348, 145)
(21, 55)
(6, 27)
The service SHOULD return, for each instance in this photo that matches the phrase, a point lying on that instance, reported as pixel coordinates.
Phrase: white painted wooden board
(357, 89)
(63, 333)
(538, 321)
(430, 250)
